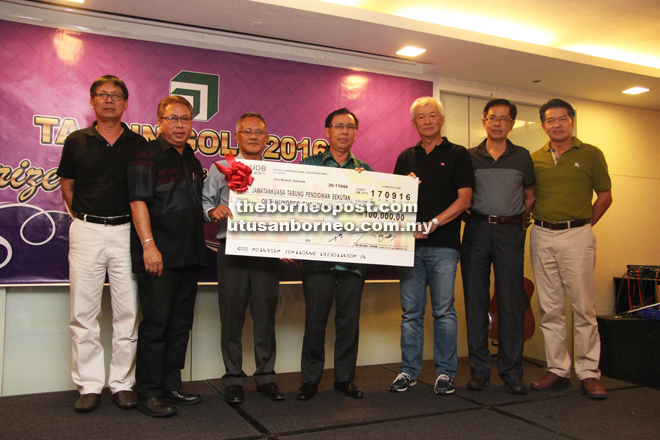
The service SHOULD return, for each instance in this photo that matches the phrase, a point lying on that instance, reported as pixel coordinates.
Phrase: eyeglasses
(349, 127)
(563, 120)
(104, 96)
(493, 119)
(249, 132)
(174, 118)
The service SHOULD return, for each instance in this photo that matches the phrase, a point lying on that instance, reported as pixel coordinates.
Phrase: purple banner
(45, 75)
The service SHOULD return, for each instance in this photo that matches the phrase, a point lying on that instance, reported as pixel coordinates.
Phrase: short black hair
(341, 111)
(174, 99)
(513, 110)
(556, 103)
(108, 79)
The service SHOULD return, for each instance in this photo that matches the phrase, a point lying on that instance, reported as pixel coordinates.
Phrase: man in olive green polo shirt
(563, 246)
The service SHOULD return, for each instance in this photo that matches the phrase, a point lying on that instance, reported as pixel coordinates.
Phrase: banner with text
(44, 96)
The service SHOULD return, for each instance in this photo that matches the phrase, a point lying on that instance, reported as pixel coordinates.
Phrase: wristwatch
(435, 222)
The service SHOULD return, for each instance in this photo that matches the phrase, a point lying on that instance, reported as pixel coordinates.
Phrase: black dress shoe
(271, 391)
(349, 389)
(307, 391)
(234, 394)
(125, 399)
(478, 383)
(181, 398)
(87, 402)
(156, 407)
(516, 387)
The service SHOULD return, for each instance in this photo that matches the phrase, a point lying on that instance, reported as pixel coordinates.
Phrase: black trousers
(244, 281)
(320, 289)
(167, 303)
(503, 246)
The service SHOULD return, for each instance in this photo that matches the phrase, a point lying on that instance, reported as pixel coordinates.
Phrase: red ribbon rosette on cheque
(237, 174)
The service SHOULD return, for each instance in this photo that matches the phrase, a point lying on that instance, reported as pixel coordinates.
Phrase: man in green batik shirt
(324, 281)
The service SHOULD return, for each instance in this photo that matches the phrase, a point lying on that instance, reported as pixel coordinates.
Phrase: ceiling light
(77, 1)
(410, 51)
(636, 90)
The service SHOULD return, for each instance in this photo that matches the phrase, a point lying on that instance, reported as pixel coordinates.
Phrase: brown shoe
(593, 388)
(87, 402)
(550, 381)
(125, 399)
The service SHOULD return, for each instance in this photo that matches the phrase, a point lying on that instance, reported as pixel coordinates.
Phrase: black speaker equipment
(631, 293)
(630, 349)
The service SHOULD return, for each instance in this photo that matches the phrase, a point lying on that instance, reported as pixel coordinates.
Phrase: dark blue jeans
(435, 268)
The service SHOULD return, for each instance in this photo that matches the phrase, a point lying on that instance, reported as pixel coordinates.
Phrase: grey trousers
(321, 289)
(503, 246)
(244, 281)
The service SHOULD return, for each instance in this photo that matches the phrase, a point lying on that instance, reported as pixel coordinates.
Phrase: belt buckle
(560, 226)
(490, 219)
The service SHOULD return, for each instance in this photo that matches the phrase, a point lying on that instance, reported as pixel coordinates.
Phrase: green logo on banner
(201, 90)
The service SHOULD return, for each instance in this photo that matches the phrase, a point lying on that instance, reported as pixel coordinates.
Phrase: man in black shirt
(445, 191)
(94, 187)
(168, 250)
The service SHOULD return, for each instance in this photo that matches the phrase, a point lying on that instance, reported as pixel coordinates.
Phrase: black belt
(108, 221)
(498, 219)
(560, 226)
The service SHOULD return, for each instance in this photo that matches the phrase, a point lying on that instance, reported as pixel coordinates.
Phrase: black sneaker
(444, 385)
(402, 382)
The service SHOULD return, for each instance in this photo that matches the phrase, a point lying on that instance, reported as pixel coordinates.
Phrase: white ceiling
(618, 27)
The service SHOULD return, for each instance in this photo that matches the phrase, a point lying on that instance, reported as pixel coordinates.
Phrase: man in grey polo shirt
(494, 234)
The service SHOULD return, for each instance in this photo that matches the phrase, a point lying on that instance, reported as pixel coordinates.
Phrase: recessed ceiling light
(410, 51)
(77, 1)
(636, 90)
